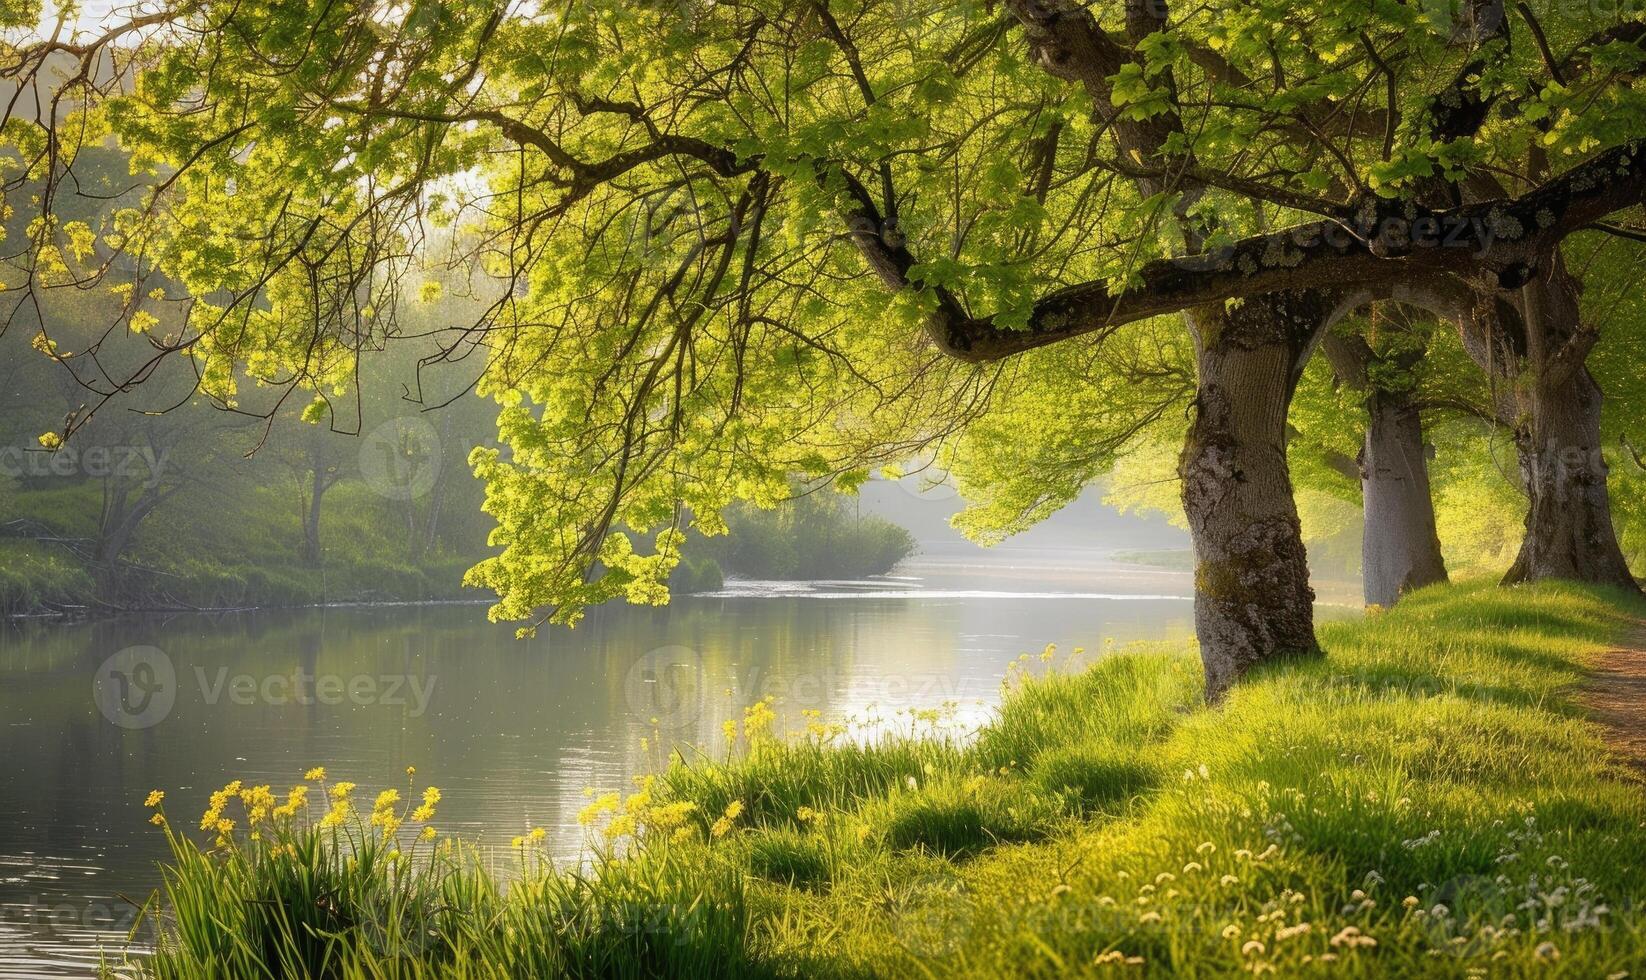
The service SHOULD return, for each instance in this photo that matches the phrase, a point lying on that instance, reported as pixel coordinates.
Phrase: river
(93, 716)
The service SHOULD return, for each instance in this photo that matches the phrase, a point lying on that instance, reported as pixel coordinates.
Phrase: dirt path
(1616, 695)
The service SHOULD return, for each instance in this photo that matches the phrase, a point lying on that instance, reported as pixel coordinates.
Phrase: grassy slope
(1425, 800)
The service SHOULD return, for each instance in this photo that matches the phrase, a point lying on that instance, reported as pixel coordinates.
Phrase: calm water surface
(511, 730)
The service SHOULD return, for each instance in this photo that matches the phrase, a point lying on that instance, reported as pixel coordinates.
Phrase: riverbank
(252, 552)
(42, 581)
(1427, 799)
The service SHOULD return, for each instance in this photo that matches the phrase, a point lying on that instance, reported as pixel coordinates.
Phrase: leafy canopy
(668, 212)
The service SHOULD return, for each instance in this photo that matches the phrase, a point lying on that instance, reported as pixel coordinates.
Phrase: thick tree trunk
(1535, 349)
(1569, 531)
(1253, 601)
(1400, 549)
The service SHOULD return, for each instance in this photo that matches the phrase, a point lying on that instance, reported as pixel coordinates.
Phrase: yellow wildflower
(258, 801)
(757, 721)
(296, 798)
(154, 798)
(671, 816)
(219, 799)
(424, 813)
(723, 826)
(336, 816)
(605, 804)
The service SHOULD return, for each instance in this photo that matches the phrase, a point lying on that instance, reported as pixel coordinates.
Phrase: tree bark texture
(1569, 530)
(1535, 347)
(1401, 548)
(1253, 601)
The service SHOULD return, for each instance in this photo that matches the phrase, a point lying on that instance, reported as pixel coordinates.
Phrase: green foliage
(1062, 418)
(1480, 510)
(954, 819)
(1614, 305)
(788, 857)
(694, 575)
(649, 202)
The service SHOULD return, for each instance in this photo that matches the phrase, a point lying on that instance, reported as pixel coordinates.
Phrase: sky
(92, 14)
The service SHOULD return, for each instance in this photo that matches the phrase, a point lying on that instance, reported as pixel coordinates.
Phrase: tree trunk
(1253, 601)
(1401, 549)
(1536, 348)
(437, 496)
(114, 534)
(311, 519)
(1569, 532)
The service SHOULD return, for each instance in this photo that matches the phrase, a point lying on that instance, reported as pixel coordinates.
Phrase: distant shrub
(695, 575)
(815, 535)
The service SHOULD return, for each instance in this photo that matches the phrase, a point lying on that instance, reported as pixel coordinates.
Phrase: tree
(680, 204)
(315, 462)
(1401, 549)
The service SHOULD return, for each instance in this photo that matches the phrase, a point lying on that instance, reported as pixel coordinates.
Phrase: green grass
(1425, 800)
(37, 576)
